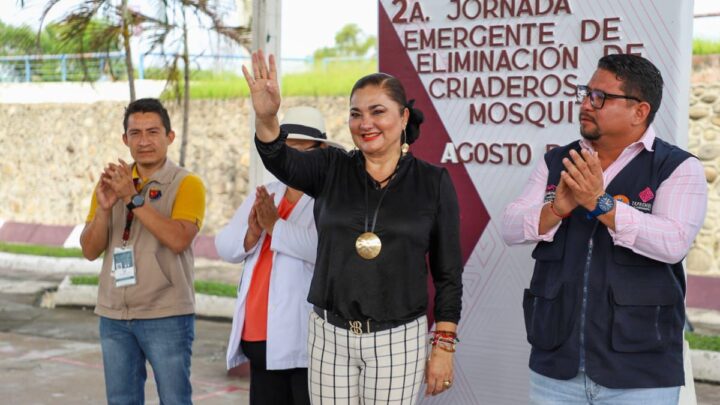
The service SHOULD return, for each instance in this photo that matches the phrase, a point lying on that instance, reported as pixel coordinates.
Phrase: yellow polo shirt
(189, 202)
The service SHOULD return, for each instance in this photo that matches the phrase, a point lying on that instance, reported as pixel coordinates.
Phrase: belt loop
(325, 317)
(368, 325)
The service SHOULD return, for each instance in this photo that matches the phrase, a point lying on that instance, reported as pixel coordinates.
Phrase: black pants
(274, 387)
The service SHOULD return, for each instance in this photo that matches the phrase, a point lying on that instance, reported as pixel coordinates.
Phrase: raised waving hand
(265, 95)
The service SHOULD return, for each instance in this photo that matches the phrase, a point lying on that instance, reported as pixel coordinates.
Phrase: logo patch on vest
(644, 205)
(622, 198)
(646, 195)
(154, 194)
(550, 193)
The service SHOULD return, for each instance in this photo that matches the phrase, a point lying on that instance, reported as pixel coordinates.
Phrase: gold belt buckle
(356, 327)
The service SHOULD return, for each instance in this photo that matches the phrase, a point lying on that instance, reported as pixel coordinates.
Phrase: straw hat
(306, 124)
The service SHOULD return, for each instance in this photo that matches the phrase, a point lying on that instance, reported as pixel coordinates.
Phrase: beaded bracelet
(557, 214)
(444, 340)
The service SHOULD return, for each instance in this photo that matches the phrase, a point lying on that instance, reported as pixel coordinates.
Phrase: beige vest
(164, 279)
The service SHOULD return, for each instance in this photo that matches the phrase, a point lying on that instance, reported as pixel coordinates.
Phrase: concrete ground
(707, 393)
(52, 356)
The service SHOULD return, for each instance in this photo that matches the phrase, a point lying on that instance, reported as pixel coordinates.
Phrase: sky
(305, 29)
(302, 35)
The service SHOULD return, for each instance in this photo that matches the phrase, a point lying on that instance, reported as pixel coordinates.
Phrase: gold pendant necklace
(368, 245)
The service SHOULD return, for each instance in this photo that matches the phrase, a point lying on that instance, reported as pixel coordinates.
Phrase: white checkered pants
(386, 367)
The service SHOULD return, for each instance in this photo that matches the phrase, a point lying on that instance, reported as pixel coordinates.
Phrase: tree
(172, 38)
(78, 23)
(23, 40)
(125, 18)
(166, 31)
(350, 41)
(16, 40)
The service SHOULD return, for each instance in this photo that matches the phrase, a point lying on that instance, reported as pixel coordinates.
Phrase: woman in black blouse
(380, 214)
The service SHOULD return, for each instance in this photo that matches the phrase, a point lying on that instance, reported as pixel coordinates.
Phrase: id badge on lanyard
(123, 263)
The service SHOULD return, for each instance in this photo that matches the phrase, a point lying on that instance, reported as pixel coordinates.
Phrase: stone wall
(51, 156)
(704, 142)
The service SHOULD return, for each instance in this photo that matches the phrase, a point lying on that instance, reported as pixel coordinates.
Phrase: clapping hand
(254, 228)
(262, 217)
(106, 197)
(564, 201)
(584, 177)
(265, 209)
(119, 179)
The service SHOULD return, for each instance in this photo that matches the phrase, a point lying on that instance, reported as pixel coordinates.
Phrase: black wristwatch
(138, 200)
(605, 203)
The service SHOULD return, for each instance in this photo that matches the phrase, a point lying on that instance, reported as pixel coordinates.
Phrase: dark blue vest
(631, 306)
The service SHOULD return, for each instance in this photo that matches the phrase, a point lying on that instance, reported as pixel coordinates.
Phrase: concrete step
(67, 294)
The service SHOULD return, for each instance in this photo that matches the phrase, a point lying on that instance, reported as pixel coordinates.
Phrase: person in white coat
(274, 233)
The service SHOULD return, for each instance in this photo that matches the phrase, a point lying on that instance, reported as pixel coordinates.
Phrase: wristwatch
(138, 200)
(605, 203)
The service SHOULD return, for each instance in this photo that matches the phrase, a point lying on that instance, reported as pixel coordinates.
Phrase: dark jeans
(274, 387)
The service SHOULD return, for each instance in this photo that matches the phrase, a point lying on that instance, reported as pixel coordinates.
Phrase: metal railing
(214, 63)
(65, 67)
(111, 66)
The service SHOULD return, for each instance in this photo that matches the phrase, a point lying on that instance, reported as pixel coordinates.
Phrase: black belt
(357, 327)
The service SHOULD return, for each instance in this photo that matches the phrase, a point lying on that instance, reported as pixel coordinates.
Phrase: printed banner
(496, 80)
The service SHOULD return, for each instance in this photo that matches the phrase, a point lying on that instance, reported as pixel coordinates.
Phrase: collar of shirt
(646, 141)
(401, 169)
(137, 181)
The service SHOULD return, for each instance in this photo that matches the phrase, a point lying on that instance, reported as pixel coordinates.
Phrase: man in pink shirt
(613, 215)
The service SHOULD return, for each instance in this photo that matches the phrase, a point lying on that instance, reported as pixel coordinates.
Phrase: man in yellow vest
(144, 216)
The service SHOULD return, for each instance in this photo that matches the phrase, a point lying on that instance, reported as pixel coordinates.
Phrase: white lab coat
(294, 246)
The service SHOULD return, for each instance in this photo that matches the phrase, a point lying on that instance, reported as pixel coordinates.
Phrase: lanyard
(377, 209)
(128, 220)
(126, 231)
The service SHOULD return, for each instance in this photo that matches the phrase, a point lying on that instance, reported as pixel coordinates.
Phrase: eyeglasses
(597, 97)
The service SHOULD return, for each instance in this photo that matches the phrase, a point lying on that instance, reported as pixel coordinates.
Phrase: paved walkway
(76, 93)
(52, 356)
(70, 372)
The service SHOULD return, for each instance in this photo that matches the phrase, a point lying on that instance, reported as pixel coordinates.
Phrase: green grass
(705, 46)
(39, 250)
(703, 342)
(219, 87)
(84, 280)
(201, 287)
(215, 288)
(333, 79)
